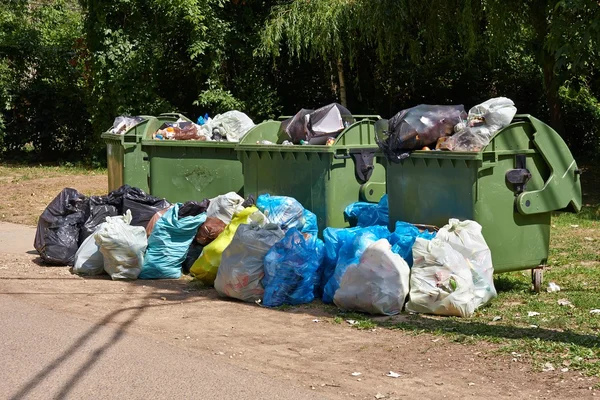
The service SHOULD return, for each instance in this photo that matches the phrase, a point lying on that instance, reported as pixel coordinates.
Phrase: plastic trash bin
(126, 162)
(511, 188)
(324, 179)
(183, 170)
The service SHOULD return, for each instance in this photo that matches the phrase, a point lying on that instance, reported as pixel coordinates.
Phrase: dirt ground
(304, 346)
(23, 200)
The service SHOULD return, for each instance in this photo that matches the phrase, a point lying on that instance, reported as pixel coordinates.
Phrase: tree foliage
(69, 67)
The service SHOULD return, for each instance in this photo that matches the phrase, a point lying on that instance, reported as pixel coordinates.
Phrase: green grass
(566, 336)
(26, 172)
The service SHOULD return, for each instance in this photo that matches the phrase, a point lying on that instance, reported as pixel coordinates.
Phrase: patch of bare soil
(288, 345)
(22, 201)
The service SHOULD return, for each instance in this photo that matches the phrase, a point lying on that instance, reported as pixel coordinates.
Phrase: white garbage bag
(378, 284)
(122, 246)
(466, 238)
(224, 206)
(232, 125)
(88, 259)
(441, 281)
(495, 113)
(242, 264)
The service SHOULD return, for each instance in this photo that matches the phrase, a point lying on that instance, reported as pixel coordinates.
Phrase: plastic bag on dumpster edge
(224, 206)
(495, 113)
(206, 266)
(378, 284)
(232, 125)
(416, 127)
(291, 268)
(122, 246)
(143, 206)
(99, 210)
(368, 214)
(441, 281)
(353, 246)
(58, 229)
(242, 263)
(169, 243)
(484, 120)
(466, 238)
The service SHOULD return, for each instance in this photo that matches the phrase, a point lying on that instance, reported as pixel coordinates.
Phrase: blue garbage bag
(334, 238)
(284, 211)
(169, 243)
(354, 243)
(403, 238)
(291, 269)
(310, 223)
(368, 214)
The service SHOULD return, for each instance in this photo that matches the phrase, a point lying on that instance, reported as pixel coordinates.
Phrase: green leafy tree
(42, 95)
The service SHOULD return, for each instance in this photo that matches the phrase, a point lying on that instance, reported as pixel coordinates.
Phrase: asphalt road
(45, 354)
(49, 355)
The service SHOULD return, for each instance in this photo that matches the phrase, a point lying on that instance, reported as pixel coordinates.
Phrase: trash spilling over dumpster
(434, 127)
(227, 127)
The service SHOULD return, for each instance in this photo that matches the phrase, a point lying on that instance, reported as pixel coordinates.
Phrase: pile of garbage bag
(444, 127)
(231, 126)
(268, 251)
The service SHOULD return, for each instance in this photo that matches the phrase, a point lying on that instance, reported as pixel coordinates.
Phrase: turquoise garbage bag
(169, 243)
(291, 268)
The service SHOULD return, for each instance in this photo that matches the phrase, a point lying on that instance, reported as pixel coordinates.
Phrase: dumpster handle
(342, 156)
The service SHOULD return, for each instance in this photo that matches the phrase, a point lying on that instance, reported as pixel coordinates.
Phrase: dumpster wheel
(537, 278)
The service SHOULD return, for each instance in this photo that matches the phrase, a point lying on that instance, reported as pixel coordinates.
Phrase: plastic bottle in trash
(304, 142)
(287, 143)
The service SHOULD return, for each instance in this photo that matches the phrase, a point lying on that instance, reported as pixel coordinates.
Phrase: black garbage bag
(418, 127)
(99, 210)
(192, 255)
(192, 208)
(115, 198)
(328, 122)
(249, 202)
(295, 127)
(57, 235)
(143, 206)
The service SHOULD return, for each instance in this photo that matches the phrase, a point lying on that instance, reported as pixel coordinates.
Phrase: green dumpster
(324, 179)
(510, 188)
(183, 170)
(127, 163)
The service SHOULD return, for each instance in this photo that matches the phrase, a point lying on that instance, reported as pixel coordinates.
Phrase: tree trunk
(551, 86)
(340, 70)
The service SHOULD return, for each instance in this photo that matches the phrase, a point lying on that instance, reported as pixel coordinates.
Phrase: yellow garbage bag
(206, 266)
